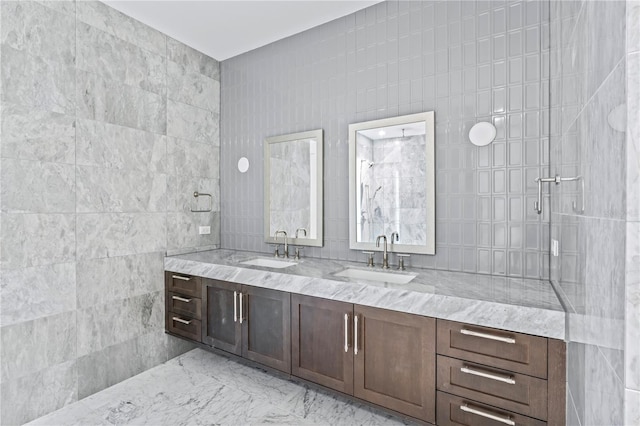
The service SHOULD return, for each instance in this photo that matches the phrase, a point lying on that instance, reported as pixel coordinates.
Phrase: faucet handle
(298, 250)
(276, 252)
(370, 259)
(401, 260)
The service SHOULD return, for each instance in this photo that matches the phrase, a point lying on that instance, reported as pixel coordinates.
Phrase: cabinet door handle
(498, 377)
(355, 334)
(178, 277)
(181, 299)
(346, 332)
(182, 321)
(241, 308)
(235, 306)
(488, 336)
(506, 420)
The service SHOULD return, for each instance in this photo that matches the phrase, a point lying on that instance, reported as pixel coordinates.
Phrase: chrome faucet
(286, 243)
(385, 254)
(304, 231)
(394, 237)
(297, 256)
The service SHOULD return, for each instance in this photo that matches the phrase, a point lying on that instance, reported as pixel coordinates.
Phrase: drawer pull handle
(482, 413)
(178, 277)
(504, 379)
(355, 334)
(235, 306)
(488, 336)
(346, 332)
(181, 299)
(182, 321)
(241, 308)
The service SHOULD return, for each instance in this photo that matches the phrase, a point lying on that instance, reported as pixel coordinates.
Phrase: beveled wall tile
(35, 345)
(38, 30)
(191, 123)
(29, 134)
(104, 280)
(122, 26)
(107, 145)
(32, 293)
(195, 159)
(114, 190)
(36, 187)
(115, 59)
(118, 234)
(193, 60)
(36, 239)
(37, 82)
(101, 326)
(192, 88)
(102, 100)
(118, 362)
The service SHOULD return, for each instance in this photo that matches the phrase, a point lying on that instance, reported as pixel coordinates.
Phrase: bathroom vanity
(444, 348)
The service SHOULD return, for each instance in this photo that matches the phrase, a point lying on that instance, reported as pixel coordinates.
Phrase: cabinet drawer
(184, 326)
(184, 284)
(511, 391)
(185, 305)
(496, 348)
(456, 411)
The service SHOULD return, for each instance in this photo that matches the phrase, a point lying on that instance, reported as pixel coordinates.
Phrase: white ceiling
(223, 28)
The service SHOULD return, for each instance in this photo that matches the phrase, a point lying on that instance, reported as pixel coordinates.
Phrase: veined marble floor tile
(202, 388)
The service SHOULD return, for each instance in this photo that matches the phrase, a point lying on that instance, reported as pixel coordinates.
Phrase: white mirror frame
(430, 220)
(318, 241)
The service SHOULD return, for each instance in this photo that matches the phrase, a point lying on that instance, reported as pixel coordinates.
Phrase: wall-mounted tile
(192, 88)
(633, 135)
(100, 281)
(38, 31)
(32, 293)
(106, 145)
(117, 60)
(633, 25)
(36, 187)
(101, 326)
(37, 135)
(183, 229)
(118, 362)
(118, 234)
(37, 239)
(36, 345)
(111, 102)
(632, 307)
(194, 124)
(193, 60)
(631, 407)
(117, 191)
(36, 82)
(113, 22)
(39, 393)
(67, 7)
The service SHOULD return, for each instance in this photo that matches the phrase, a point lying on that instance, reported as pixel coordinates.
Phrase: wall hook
(200, 194)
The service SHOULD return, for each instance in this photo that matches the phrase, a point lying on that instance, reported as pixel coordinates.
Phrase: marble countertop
(516, 304)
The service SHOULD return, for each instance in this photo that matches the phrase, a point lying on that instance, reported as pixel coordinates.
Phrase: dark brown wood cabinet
(248, 321)
(183, 306)
(381, 356)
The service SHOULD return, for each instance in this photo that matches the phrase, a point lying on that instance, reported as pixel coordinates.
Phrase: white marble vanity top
(516, 304)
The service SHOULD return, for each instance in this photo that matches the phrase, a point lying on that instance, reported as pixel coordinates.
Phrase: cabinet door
(318, 339)
(221, 321)
(266, 333)
(395, 361)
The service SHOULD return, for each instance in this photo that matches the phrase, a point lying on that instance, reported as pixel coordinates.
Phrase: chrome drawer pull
(355, 335)
(178, 277)
(346, 332)
(488, 336)
(235, 306)
(240, 308)
(504, 379)
(181, 299)
(182, 321)
(505, 420)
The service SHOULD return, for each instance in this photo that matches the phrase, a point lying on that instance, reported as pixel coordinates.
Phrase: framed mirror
(293, 188)
(392, 183)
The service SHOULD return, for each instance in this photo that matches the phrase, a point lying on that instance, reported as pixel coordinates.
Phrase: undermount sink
(387, 277)
(269, 262)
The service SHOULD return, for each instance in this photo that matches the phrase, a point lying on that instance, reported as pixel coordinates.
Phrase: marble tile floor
(202, 388)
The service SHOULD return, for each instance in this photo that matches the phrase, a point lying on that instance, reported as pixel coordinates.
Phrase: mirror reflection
(392, 177)
(293, 188)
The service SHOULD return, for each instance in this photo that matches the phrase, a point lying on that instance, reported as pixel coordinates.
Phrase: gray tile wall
(590, 138)
(107, 128)
(468, 61)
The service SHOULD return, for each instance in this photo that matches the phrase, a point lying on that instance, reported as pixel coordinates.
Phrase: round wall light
(482, 133)
(243, 164)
